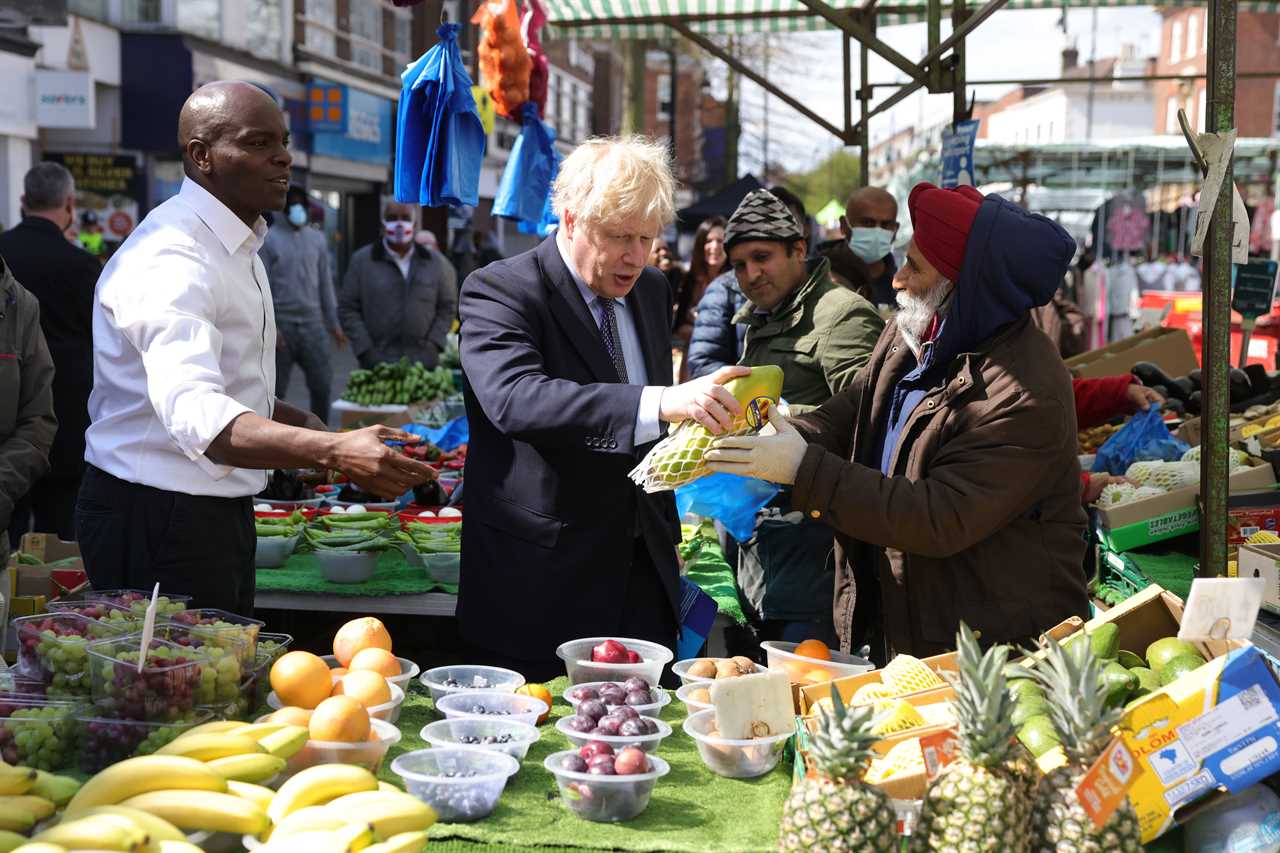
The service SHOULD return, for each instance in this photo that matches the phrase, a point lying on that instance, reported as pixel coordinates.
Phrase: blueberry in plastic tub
(459, 784)
(460, 678)
(498, 735)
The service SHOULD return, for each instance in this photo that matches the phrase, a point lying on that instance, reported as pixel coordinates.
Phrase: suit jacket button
(613, 442)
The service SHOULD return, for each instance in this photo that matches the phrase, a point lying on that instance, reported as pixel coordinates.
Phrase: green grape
(43, 738)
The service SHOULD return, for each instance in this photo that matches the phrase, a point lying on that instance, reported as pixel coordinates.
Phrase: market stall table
(692, 809)
(396, 587)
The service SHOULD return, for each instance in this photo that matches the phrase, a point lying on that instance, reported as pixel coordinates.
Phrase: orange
(537, 691)
(340, 718)
(357, 635)
(367, 688)
(380, 661)
(338, 671)
(816, 676)
(301, 679)
(815, 649)
(796, 671)
(292, 716)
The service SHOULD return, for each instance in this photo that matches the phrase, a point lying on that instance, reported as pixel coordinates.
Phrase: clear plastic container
(693, 705)
(408, 670)
(229, 630)
(494, 679)
(347, 566)
(93, 608)
(54, 648)
(457, 798)
(651, 709)
(576, 655)
(450, 734)
(270, 552)
(649, 743)
(736, 759)
(508, 706)
(445, 568)
(270, 647)
(367, 754)
(681, 670)
(101, 741)
(221, 677)
(779, 656)
(605, 799)
(165, 690)
(389, 711)
(138, 600)
(38, 733)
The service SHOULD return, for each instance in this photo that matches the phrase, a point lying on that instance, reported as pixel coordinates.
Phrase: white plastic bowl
(366, 754)
(500, 680)
(408, 671)
(681, 670)
(605, 799)
(649, 743)
(271, 552)
(448, 734)
(576, 655)
(460, 798)
(388, 711)
(780, 657)
(526, 709)
(692, 706)
(651, 709)
(347, 566)
(376, 506)
(445, 568)
(736, 759)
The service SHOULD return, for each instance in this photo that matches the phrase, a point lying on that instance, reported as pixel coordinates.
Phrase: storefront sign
(64, 98)
(367, 136)
(327, 108)
(110, 185)
(957, 153)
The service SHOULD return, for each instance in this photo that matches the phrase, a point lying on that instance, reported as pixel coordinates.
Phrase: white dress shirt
(402, 261)
(184, 342)
(648, 426)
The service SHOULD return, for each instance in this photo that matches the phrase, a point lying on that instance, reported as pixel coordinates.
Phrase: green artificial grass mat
(393, 576)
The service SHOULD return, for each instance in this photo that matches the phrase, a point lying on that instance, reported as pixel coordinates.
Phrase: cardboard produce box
(1214, 728)
(1174, 513)
(1168, 349)
(1262, 561)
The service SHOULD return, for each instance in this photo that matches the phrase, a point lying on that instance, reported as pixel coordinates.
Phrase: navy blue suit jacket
(551, 516)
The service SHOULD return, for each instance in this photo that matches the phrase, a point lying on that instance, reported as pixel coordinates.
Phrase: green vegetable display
(283, 526)
(433, 538)
(398, 383)
(352, 531)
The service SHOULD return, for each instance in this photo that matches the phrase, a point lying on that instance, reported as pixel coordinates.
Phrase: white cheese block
(752, 706)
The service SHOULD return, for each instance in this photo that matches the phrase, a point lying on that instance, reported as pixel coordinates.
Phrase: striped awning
(621, 19)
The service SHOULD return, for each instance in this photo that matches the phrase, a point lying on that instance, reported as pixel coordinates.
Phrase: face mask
(397, 230)
(297, 215)
(870, 244)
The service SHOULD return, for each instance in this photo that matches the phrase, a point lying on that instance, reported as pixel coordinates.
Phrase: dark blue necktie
(612, 343)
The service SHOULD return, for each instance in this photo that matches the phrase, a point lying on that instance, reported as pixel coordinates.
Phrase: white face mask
(870, 244)
(397, 231)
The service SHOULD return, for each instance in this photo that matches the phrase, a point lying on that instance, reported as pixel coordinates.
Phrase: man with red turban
(948, 469)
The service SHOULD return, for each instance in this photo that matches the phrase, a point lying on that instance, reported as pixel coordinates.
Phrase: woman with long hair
(707, 261)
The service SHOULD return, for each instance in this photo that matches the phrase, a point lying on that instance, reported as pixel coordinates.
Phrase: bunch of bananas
(241, 752)
(28, 796)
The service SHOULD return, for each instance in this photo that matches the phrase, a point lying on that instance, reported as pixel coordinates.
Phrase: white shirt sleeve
(167, 311)
(648, 426)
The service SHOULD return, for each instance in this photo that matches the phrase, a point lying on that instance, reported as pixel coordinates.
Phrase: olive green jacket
(820, 337)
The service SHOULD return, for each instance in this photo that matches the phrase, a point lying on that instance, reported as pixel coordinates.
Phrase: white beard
(915, 313)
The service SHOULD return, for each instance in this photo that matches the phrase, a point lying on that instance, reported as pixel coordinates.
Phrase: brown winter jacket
(981, 520)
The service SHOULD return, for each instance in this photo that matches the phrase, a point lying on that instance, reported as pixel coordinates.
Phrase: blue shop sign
(367, 137)
(327, 108)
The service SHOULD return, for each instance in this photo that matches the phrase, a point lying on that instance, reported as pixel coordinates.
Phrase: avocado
(1148, 681)
(1164, 650)
(1025, 690)
(1104, 640)
(1120, 683)
(1179, 666)
(1032, 706)
(1038, 735)
(1129, 660)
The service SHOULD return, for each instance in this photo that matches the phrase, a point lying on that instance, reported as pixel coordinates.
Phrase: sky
(1012, 43)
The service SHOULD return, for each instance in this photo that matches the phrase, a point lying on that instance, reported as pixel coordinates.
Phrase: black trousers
(132, 536)
(648, 614)
(51, 503)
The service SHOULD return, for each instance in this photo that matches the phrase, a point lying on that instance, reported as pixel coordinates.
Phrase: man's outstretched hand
(373, 466)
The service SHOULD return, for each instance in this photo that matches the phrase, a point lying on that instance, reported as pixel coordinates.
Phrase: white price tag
(148, 627)
(1221, 609)
(1232, 720)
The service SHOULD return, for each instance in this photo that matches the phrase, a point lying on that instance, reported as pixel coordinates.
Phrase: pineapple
(838, 810)
(980, 801)
(1072, 681)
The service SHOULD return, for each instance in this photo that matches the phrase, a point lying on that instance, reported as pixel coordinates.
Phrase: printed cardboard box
(1174, 513)
(1262, 561)
(1217, 727)
(1168, 349)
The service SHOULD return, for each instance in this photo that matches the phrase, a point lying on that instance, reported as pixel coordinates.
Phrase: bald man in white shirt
(184, 417)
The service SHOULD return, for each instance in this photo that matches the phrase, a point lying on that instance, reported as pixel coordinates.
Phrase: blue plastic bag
(440, 138)
(1143, 438)
(526, 181)
(731, 499)
(456, 432)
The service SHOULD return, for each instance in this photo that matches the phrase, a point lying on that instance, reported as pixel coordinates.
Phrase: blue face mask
(297, 215)
(870, 244)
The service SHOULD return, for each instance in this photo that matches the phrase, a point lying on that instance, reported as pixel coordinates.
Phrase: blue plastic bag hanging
(731, 499)
(1143, 438)
(440, 138)
(526, 181)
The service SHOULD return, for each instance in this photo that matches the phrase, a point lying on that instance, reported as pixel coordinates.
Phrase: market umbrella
(440, 139)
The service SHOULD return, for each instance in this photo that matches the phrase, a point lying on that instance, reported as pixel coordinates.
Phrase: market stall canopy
(621, 19)
(723, 203)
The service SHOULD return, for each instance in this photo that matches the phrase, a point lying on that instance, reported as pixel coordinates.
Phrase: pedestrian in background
(90, 236)
(398, 299)
(302, 290)
(61, 276)
(707, 261)
(27, 423)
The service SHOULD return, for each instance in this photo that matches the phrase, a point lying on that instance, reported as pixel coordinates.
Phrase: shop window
(264, 32)
(1193, 33)
(366, 27)
(404, 36)
(201, 18)
(1171, 115)
(664, 98)
(96, 9)
(321, 21)
(1175, 42)
(142, 12)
